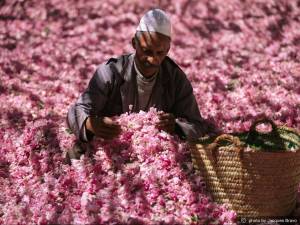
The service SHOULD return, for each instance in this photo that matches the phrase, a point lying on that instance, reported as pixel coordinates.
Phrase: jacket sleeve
(188, 118)
(91, 102)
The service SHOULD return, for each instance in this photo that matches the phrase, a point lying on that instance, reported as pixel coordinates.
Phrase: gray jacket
(112, 90)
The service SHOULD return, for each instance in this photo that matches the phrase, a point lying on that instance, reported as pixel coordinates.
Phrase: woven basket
(256, 184)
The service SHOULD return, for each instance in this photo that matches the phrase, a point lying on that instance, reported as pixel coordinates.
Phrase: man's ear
(133, 43)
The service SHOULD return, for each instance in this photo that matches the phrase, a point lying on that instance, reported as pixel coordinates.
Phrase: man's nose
(153, 60)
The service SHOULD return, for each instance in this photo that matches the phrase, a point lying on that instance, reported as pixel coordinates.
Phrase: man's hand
(166, 122)
(103, 127)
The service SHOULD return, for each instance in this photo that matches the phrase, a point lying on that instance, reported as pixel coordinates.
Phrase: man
(148, 78)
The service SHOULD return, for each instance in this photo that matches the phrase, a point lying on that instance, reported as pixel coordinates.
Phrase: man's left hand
(166, 122)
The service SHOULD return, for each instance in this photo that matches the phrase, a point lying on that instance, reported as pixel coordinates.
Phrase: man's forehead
(152, 38)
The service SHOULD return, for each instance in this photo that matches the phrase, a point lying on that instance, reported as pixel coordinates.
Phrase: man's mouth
(150, 66)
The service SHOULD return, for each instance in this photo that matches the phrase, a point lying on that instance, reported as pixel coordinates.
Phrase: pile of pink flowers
(145, 176)
(242, 58)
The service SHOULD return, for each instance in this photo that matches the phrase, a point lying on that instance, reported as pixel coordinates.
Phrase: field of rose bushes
(242, 57)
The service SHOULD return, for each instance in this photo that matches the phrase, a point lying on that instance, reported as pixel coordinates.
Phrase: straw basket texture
(256, 184)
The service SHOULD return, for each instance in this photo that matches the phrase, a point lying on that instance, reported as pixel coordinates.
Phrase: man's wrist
(88, 125)
(178, 130)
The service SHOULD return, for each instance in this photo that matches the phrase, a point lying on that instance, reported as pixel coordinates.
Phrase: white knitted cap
(155, 20)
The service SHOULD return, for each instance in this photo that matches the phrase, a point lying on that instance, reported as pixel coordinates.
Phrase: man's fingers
(109, 122)
(106, 134)
(166, 116)
(166, 126)
(108, 130)
(166, 122)
(114, 129)
(103, 127)
(106, 137)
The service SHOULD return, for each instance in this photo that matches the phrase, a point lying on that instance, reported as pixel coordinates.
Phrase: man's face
(151, 49)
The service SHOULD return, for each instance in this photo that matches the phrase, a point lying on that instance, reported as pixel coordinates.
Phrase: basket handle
(225, 137)
(229, 138)
(262, 120)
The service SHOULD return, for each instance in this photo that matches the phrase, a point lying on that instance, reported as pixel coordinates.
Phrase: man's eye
(147, 52)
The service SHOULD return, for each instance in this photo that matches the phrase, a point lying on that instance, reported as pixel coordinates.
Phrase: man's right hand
(103, 127)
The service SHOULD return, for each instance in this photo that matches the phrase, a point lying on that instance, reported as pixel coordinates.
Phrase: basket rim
(250, 151)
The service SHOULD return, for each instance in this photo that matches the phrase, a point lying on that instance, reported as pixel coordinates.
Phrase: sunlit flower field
(241, 56)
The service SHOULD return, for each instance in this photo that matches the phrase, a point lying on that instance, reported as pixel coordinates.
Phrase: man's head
(152, 41)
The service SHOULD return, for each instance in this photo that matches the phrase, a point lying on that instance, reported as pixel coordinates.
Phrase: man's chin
(149, 72)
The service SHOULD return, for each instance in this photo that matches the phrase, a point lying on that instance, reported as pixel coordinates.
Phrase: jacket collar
(128, 68)
(129, 90)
